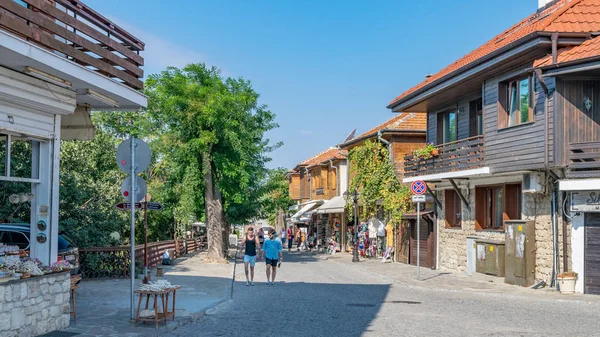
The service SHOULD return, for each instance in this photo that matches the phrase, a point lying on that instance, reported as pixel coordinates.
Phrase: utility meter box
(520, 252)
(490, 257)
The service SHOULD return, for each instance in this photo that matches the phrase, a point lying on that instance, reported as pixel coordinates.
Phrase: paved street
(334, 297)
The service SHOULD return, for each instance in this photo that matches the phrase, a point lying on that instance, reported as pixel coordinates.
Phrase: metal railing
(70, 29)
(459, 155)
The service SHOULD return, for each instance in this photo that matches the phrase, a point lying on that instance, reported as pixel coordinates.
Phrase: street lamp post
(354, 196)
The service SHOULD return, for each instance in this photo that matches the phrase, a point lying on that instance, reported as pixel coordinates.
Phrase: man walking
(250, 245)
(273, 252)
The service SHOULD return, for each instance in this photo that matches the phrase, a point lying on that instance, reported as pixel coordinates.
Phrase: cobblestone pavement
(329, 296)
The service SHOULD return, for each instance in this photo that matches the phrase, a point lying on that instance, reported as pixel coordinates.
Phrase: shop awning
(333, 205)
(305, 211)
(293, 208)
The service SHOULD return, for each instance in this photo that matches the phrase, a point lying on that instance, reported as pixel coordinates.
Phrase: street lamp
(354, 196)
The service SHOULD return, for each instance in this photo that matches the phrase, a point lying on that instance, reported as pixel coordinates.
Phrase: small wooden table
(164, 300)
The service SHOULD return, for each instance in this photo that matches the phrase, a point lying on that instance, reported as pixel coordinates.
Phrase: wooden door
(403, 242)
(592, 254)
(426, 245)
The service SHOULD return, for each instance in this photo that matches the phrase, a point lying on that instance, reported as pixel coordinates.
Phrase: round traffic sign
(140, 189)
(143, 155)
(418, 187)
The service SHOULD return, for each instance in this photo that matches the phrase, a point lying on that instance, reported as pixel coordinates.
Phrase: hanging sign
(585, 201)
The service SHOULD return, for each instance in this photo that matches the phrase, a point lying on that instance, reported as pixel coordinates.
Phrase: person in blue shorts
(273, 252)
(250, 247)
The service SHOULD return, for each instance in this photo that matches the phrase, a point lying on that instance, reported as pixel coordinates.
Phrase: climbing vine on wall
(372, 174)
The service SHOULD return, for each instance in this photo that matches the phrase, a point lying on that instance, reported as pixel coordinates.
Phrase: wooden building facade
(516, 124)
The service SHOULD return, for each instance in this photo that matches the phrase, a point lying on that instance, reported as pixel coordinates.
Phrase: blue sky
(324, 67)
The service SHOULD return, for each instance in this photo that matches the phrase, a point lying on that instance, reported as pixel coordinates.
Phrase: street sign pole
(146, 241)
(132, 240)
(418, 241)
(418, 187)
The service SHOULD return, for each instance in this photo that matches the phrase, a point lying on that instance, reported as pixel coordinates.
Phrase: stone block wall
(35, 306)
(453, 241)
(537, 207)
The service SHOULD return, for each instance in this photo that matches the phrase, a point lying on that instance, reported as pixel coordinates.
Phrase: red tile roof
(590, 48)
(331, 153)
(563, 16)
(414, 121)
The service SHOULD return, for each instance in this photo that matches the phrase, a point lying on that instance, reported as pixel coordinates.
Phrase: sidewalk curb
(410, 284)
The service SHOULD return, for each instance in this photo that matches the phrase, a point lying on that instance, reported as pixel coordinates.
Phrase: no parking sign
(418, 187)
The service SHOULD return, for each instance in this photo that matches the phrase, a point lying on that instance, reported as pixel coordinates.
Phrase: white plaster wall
(578, 249)
(343, 177)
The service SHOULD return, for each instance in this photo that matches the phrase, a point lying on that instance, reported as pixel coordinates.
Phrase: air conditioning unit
(533, 183)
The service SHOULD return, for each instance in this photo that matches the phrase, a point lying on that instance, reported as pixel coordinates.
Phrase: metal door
(592, 253)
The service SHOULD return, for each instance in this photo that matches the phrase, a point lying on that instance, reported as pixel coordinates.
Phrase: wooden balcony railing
(70, 29)
(459, 155)
(584, 160)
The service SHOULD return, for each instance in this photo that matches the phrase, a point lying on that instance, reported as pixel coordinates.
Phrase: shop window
(515, 100)
(453, 209)
(495, 204)
(20, 158)
(447, 127)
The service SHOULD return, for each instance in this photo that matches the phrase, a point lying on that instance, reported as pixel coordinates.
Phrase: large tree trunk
(224, 223)
(280, 222)
(213, 213)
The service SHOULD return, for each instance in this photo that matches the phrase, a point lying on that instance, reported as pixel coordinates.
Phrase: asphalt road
(315, 297)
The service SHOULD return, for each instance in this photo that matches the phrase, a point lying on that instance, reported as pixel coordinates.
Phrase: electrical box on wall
(533, 183)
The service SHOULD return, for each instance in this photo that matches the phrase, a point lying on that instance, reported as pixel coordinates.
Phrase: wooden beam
(459, 192)
(437, 201)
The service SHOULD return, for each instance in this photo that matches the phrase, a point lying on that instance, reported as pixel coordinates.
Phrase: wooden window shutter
(480, 207)
(513, 202)
(502, 105)
(449, 211)
(440, 128)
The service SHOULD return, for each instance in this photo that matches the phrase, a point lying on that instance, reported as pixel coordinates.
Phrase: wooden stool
(74, 303)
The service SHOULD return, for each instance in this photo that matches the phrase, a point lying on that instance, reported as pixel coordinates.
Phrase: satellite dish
(350, 136)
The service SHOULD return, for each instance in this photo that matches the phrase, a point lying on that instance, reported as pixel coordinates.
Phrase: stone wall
(35, 306)
(453, 241)
(537, 207)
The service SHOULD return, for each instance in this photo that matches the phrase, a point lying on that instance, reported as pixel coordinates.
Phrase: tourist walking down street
(261, 236)
(250, 247)
(290, 237)
(283, 236)
(273, 254)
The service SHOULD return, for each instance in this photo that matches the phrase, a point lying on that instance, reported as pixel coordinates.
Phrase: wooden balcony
(584, 160)
(464, 154)
(70, 29)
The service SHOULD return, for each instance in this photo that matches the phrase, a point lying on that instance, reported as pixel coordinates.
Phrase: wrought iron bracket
(459, 192)
(437, 201)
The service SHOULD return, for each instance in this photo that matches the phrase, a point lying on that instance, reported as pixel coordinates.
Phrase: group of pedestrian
(272, 252)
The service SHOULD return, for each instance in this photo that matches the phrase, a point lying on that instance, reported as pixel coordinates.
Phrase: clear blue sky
(324, 67)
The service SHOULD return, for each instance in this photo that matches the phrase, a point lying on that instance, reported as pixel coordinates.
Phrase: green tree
(276, 199)
(215, 128)
(375, 179)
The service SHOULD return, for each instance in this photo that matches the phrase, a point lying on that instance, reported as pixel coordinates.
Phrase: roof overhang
(384, 132)
(16, 54)
(496, 59)
(478, 172)
(591, 67)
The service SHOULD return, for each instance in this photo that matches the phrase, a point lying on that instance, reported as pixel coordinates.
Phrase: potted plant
(566, 282)
(426, 152)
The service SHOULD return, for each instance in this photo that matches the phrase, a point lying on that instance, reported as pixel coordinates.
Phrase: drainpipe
(388, 144)
(337, 179)
(554, 38)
